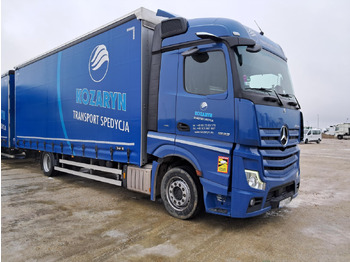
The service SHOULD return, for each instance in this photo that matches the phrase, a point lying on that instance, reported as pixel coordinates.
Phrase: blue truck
(7, 112)
(200, 113)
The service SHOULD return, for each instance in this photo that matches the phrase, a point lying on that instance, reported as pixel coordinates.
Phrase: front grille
(278, 160)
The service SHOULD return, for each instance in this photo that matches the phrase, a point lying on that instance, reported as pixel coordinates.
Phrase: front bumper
(240, 206)
(238, 202)
(242, 200)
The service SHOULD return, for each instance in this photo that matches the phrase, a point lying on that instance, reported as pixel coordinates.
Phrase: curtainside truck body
(7, 111)
(198, 112)
(88, 98)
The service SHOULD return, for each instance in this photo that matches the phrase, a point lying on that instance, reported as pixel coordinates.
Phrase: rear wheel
(181, 194)
(48, 163)
(306, 141)
(340, 137)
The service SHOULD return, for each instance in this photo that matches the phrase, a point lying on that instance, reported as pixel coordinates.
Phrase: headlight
(253, 180)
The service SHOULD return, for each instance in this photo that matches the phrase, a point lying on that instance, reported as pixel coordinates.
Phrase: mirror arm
(252, 46)
(191, 51)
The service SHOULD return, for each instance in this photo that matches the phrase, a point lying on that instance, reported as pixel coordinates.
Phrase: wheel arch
(176, 158)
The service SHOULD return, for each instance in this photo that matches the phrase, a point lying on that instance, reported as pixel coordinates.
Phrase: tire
(340, 137)
(48, 164)
(306, 141)
(181, 193)
(318, 141)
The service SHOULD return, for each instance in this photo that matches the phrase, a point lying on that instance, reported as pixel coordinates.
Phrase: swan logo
(204, 106)
(98, 63)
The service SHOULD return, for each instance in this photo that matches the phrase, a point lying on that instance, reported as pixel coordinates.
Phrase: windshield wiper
(268, 98)
(284, 95)
(278, 97)
(268, 90)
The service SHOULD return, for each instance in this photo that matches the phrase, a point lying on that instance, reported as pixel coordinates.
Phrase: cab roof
(223, 27)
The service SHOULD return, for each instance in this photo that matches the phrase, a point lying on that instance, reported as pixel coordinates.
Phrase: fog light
(252, 202)
(220, 198)
(253, 180)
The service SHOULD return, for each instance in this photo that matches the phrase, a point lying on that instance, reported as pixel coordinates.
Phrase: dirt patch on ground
(68, 218)
(325, 136)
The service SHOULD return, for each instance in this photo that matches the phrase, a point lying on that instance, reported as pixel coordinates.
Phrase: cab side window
(205, 73)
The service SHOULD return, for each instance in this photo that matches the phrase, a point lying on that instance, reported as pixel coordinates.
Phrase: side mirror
(173, 26)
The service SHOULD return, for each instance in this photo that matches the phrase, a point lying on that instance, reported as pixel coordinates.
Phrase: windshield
(263, 72)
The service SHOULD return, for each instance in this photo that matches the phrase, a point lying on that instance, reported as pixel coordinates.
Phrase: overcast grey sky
(315, 35)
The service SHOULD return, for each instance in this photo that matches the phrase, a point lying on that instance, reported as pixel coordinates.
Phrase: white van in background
(312, 135)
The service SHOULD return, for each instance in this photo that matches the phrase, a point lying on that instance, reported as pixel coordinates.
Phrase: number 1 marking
(133, 31)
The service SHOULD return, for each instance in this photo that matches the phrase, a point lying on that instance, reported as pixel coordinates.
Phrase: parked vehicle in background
(342, 131)
(329, 130)
(312, 135)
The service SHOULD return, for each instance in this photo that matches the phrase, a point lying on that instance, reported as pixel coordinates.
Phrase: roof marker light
(206, 35)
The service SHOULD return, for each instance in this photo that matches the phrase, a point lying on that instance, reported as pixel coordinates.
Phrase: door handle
(183, 127)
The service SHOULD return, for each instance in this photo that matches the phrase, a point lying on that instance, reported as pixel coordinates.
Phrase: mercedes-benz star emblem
(284, 135)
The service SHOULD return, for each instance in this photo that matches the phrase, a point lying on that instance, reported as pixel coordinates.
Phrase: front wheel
(318, 141)
(48, 163)
(180, 193)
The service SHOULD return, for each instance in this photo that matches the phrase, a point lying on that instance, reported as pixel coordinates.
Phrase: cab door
(204, 105)
(167, 92)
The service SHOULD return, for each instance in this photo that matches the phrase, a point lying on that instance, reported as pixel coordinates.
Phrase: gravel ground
(68, 218)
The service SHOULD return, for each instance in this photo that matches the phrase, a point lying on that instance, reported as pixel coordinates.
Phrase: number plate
(285, 202)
